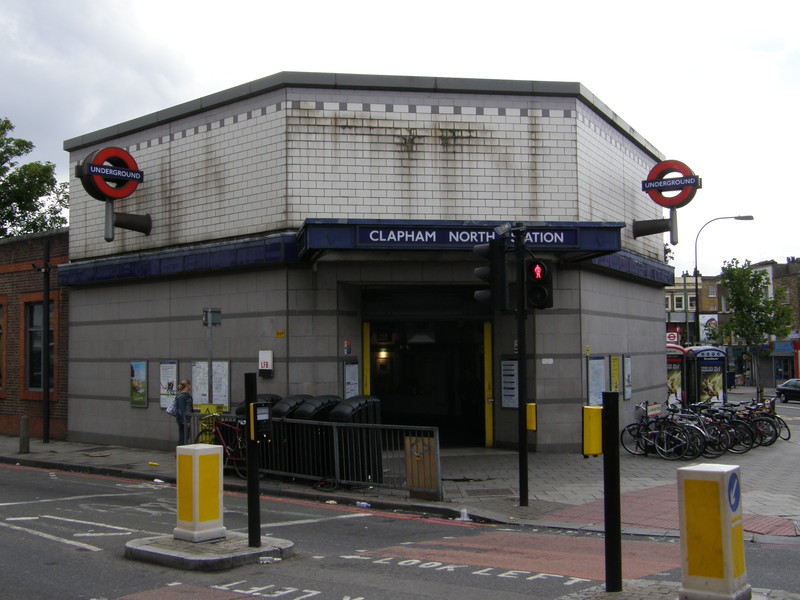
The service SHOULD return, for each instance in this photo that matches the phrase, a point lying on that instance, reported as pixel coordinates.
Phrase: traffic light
(494, 274)
(538, 283)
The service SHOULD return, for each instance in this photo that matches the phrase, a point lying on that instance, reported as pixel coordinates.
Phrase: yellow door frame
(366, 381)
(488, 384)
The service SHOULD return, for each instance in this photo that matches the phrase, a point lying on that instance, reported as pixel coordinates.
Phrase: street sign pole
(522, 354)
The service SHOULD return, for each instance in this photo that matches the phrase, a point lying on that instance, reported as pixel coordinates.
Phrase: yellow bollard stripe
(209, 484)
(737, 543)
(703, 529)
(185, 481)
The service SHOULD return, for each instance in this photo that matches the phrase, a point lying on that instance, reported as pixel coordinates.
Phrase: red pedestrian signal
(538, 283)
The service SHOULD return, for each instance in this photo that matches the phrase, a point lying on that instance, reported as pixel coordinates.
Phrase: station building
(331, 219)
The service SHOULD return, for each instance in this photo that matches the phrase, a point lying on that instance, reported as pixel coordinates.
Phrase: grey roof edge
(290, 79)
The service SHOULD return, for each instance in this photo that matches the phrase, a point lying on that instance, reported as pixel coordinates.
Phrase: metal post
(611, 492)
(253, 499)
(522, 354)
(210, 381)
(46, 343)
(696, 283)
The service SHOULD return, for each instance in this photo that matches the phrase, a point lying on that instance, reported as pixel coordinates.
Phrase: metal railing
(352, 454)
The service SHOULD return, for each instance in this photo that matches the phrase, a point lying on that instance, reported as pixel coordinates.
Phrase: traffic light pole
(522, 353)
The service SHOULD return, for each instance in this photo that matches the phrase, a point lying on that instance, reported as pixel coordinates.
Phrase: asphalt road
(62, 535)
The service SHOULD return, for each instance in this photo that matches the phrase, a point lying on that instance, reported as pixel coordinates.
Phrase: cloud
(73, 67)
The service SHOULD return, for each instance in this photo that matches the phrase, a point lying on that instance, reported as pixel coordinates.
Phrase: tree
(754, 315)
(31, 200)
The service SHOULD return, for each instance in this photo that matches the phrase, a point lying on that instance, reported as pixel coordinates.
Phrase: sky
(714, 84)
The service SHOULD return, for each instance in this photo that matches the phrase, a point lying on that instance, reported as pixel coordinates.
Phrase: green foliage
(31, 200)
(754, 315)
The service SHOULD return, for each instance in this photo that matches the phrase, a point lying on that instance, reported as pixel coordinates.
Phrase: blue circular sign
(734, 492)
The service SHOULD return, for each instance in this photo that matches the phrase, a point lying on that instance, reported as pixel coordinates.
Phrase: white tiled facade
(270, 162)
(262, 159)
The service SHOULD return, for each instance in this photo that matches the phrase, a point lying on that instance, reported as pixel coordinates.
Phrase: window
(678, 302)
(2, 342)
(692, 303)
(712, 291)
(33, 335)
(666, 302)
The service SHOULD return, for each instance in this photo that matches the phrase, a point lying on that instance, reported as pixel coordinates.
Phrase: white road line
(63, 499)
(313, 521)
(123, 530)
(85, 522)
(54, 538)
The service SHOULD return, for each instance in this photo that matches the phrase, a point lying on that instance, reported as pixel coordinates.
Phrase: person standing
(183, 406)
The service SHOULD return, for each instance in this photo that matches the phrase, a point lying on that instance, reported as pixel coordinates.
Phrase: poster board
(168, 382)
(220, 390)
(597, 379)
(138, 383)
(627, 378)
(509, 383)
(350, 379)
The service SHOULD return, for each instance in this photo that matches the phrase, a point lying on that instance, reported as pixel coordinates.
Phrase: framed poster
(220, 383)
(350, 379)
(138, 383)
(509, 383)
(627, 380)
(615, 364)
(168, 382)
(597, 379)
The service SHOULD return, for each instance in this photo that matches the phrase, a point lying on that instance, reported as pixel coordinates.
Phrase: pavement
(565, 492)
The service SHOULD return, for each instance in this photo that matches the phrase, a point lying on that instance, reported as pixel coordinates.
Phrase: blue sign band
(420, 237)
(670, 184)
(107, 172)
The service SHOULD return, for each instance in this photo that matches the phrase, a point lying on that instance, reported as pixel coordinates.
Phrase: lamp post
(696, 283)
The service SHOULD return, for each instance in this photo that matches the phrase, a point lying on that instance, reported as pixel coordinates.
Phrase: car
(788, 390)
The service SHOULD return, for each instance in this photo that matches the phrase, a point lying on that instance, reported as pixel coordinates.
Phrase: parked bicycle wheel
(717, 440)
(742, 437)
(633, 439)
(767, 430)
(784, 432)
(671, 442)
(697, 442)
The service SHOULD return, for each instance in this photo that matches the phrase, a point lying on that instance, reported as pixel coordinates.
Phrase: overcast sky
(712, 83)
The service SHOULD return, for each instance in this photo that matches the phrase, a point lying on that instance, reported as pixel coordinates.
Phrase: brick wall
(21, 283)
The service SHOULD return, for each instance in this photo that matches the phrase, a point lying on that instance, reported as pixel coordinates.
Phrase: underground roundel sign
(109, 174)
(657, 182)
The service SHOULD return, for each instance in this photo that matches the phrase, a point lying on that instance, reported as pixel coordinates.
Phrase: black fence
(327, 440)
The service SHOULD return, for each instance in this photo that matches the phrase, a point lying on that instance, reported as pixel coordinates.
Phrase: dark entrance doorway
(427, 365)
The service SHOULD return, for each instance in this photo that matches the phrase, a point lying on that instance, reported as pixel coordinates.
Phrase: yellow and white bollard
(199, 491)
(712, 538)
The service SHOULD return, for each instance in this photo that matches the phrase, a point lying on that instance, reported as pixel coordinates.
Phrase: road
(62, 535)
(789, 410)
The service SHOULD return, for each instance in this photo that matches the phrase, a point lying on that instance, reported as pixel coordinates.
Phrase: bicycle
(231, 437)
(767, 409)
(669, 440)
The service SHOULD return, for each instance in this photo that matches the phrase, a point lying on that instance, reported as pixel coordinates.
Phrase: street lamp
(696, 284)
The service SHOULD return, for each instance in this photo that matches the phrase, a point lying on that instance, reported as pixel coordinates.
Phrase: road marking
(123, 530)
(54, 538)
(314, 521)
(68, 498)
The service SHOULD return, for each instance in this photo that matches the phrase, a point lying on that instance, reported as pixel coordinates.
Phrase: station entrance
(426, 360)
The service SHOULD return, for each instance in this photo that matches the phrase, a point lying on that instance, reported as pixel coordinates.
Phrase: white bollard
(199, 489)
(712, 539)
